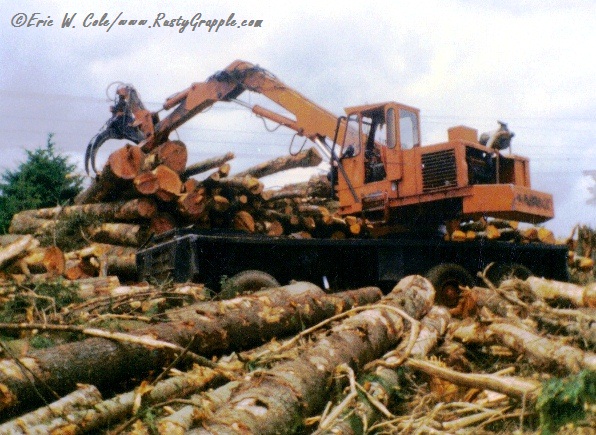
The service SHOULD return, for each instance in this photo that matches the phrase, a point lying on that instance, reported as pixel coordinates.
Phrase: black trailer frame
(208, 256)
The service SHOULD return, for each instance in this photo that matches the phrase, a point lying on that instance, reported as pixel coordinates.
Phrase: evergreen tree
(44, 180)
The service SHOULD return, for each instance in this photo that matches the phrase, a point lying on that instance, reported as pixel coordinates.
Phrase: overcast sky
(528, 63)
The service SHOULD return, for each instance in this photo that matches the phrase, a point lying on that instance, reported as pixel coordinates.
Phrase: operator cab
(376, 135)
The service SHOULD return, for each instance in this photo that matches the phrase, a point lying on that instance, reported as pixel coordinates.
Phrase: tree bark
(317, 186)
(541, 351)
(24, 224)
(237, 185)
(303, 159)
(519, 388)
(205, 165)
(99, 259)
(216, 327)
(93, 287)
(385, 380)
(139, 208)
(552, 291)
(119, 234)
(111, 411)
(84, 396)
(276, 401)
(17, 248)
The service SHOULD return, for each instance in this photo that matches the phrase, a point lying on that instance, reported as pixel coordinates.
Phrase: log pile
(497, 229)
(582, 254)
(139, 194)
(292, 359)
(215, 200)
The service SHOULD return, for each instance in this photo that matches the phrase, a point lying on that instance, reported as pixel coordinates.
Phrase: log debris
(214, 329)
(277, 400)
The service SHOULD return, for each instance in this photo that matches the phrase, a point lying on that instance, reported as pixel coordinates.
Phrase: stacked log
(497, 229)
(215, 201)
(140, 194)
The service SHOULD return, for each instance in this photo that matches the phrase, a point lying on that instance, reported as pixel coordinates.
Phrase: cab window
(408, 129)
(352, 137)
(391, 133)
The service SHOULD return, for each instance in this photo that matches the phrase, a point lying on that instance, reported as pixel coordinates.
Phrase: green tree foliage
(44, 180)
(567, 401)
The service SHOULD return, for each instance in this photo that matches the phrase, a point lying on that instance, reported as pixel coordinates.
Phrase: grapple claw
(118, 128)
(95, 143)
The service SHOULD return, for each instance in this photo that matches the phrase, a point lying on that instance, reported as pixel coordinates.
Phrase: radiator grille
(438, 171)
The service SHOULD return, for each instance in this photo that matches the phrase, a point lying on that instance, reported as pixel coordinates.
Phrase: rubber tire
(246, 282)
(446, 278)
(499, 272)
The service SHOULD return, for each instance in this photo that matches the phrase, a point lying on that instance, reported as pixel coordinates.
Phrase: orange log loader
(380, 171)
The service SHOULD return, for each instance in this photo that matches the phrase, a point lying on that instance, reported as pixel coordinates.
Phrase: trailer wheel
(447, 278)
(245, 282)
(499, 272)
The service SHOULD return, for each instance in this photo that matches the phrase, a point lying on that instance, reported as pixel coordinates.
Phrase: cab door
(403, 134)
(393, 155)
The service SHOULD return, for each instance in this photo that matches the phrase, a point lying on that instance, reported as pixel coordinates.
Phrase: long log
(541, 351)
(519, 388)
(205, 165)
(103, 260)
(139, 208)
(119, 234)
(303, 159)
(217, 326)
(17, 248)
(83, 397)
(7, 239)
(551, 291)
(32, 262)
(238, 185)
(385, 380)
(111, 411)
(93, 287)
(122, 167)
(31, 225)
(276, 401)
(317, 186)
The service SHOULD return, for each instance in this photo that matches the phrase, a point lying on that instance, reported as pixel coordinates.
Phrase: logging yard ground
(86, 347)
